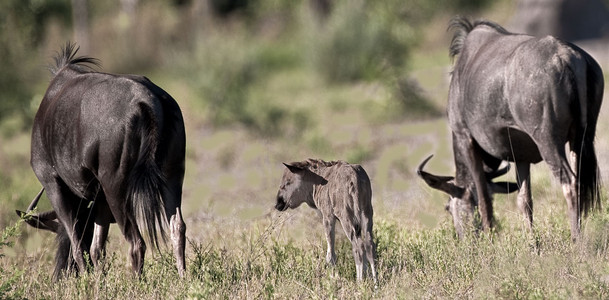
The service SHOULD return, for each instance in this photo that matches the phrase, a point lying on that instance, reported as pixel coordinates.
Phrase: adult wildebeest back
(339, 190)
(519, 98)
(108, 148)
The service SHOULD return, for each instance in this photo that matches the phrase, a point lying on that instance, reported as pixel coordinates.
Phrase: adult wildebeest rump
(339, 191)
(519, 98)
(108, 148)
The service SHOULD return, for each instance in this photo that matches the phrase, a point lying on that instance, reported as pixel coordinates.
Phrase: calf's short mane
(318, 163)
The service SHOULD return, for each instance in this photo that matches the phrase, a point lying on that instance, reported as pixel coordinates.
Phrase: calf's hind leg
(369, 248)
(354, 235)
(329, 225)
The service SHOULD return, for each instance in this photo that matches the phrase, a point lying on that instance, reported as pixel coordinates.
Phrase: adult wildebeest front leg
(100, 232)
(524, 199)
(98, 246)
(466, 148)
(69, 208)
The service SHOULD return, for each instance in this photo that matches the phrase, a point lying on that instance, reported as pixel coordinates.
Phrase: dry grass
(240, 247)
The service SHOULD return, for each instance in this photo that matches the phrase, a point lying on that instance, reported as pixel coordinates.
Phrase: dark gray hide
(520, 98)
(339, 191)
(108, 148)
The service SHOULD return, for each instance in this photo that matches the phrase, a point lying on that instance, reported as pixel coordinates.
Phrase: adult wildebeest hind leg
(172, 196)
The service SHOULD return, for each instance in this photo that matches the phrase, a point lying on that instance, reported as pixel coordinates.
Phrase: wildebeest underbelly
(509, 144)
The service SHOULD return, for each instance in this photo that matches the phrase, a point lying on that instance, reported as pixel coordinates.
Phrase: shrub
(8, 277)
(361, 41)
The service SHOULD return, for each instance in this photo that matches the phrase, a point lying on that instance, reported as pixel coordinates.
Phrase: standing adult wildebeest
(339, 190)
(519, 98)
(108, 148)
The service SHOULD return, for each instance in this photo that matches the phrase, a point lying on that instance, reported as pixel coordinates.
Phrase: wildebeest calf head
(297, 186)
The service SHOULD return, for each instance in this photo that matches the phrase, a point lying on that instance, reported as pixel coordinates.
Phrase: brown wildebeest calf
(339, 190)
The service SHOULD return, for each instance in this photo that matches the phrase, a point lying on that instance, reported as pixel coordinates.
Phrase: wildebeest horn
(46, 220)
(32, 205)
(35, 201)
(442, 183)
(501, 187)
(497, 173)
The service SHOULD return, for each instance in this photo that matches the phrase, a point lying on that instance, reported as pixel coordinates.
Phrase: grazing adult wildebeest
(519, 98)
(339, 190)
(108, 148)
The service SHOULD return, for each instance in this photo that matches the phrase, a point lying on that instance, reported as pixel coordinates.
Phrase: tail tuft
(147, 202)
(146, 180)
(589, 177)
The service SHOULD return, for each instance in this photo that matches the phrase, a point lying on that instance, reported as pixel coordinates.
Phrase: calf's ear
(294, 168)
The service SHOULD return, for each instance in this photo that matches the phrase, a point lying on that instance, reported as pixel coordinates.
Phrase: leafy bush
(8, 277)
(361, 41)
(22, 28)
(225, 74)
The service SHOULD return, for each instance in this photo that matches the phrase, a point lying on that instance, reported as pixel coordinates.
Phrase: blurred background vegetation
(288, 71)
(289, 79)
(267, 81)
(220, 49)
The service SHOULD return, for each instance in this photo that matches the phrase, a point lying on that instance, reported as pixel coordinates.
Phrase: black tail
(147, 181)
(588, 175)
(588, 171)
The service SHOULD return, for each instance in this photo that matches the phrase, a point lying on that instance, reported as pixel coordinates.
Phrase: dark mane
(462, 27)
(67, 56)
